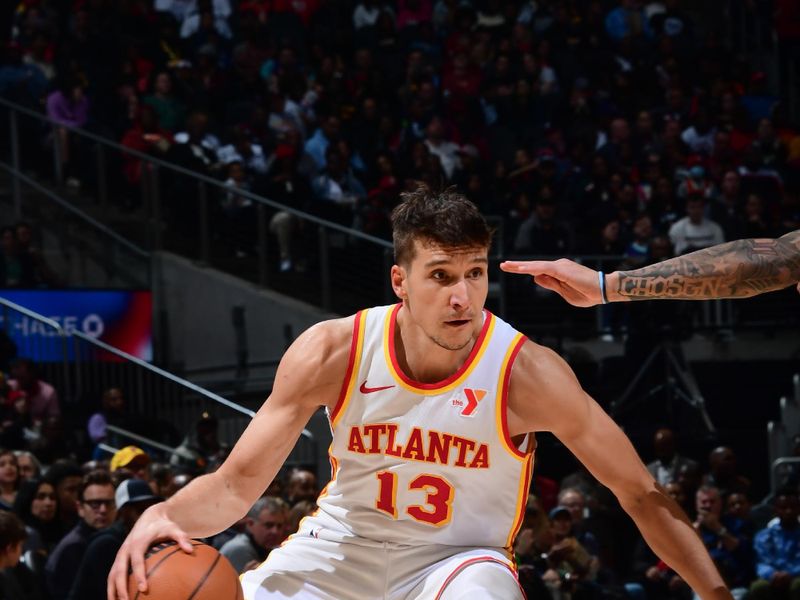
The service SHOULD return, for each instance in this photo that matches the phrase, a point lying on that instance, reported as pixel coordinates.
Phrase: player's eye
(476, 273)
(439, 275)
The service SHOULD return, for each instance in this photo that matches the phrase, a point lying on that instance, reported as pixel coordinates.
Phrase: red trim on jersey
(348, 375)
(504, 399)
(472, 561)
(524, 503)
(445, 382)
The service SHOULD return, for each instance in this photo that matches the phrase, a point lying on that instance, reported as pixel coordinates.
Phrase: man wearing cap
(133, 459)
(132, 497)
(96, 509)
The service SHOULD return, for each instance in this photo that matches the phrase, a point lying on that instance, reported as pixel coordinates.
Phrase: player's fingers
(139, 572)
(184, 541)
(117, 583)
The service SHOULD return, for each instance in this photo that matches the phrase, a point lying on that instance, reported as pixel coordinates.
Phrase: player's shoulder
(539, 370)
(325, 340)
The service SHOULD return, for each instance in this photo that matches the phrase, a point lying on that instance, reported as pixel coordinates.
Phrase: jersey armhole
(502, 402)
(353, 363)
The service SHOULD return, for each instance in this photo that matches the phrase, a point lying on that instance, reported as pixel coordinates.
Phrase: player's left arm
(546, 396)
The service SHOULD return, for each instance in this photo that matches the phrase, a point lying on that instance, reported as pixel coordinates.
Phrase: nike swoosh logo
(368, 390)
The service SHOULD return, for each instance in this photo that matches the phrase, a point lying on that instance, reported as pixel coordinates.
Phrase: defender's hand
(577, 284)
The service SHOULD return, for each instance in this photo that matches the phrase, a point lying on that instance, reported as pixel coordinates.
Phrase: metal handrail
(76, 211)
(198, 176)
(128, 357)
(148, 442)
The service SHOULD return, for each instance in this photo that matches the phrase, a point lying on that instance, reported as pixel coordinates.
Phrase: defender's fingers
(548, 283)
(530, 267)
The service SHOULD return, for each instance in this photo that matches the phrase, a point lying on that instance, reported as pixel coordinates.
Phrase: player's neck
(422, 359)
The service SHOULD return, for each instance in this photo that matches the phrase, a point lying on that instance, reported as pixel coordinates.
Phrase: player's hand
(577, 284)
(152, 526)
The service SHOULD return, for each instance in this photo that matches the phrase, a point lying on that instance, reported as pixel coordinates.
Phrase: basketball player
(432, 404)
(737, 269)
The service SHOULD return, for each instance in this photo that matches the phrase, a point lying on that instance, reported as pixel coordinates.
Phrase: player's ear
(398, 278)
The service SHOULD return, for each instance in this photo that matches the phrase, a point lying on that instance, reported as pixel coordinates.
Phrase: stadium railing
(82, 367)
(338, 266)
(340, 269)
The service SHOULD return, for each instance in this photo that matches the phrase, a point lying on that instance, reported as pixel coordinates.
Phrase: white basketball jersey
(426, 463)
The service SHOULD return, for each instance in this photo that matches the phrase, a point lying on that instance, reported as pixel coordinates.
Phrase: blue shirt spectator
(778, 545)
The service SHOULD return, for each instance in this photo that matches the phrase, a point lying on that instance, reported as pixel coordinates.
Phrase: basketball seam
(149, 573)
(203, 580)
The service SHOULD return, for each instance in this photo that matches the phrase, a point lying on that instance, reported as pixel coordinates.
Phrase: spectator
(239, 210)
(723, 473)
(265, 529)
(628, 20)
(726, 207)
(441, 147)
(326, 135)
(42, 397)
(112, 411)
(68, 106)
(542, 233)
(337, 192)
(132, 498)
(161, 478)
(725, 539)
(668, 462)
(777, 549)
(14, 584)
(66, 477)
(287, 186)
(302, 485)
(695, 231)
(29, 465)
(568, 562)
(37, 505)
(146, 135)
(637, 252)
(97, 509)
(297, 513)
(9, 478)
(132, 459)
(17, 269)
(200, 447)
(170, 113)
(755, 221)
(44, 275)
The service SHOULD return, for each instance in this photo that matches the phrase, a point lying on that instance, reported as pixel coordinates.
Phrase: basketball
(172, 574)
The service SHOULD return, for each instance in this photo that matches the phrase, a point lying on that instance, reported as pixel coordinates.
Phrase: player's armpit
(310, 375)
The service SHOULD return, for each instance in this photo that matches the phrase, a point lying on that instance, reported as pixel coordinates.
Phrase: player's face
(444, 290)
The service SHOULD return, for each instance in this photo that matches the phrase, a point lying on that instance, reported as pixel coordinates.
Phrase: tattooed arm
(738, 269)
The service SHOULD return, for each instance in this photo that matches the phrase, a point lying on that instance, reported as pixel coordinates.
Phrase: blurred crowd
(68, 497)
(622, 128)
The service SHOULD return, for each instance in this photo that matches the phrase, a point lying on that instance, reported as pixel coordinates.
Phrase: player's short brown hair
(445, 218)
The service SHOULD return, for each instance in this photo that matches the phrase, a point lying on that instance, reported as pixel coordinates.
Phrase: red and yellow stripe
(440, 387)
(353, 364)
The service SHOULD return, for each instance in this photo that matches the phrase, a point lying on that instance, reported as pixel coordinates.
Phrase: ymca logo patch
(469, 402)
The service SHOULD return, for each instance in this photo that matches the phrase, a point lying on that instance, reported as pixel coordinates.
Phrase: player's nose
(458, 294)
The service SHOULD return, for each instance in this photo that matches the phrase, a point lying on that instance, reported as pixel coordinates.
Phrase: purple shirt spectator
(68, 111)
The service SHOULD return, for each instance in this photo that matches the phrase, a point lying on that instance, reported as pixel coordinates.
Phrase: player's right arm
(737, 269)
(310, 375)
